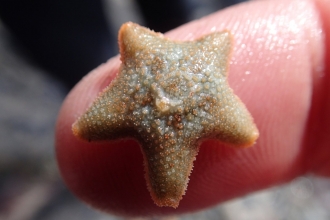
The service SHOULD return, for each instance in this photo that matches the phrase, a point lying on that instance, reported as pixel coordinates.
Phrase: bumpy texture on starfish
(169, 96)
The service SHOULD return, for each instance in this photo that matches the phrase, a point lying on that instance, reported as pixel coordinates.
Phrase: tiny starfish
(169, 96)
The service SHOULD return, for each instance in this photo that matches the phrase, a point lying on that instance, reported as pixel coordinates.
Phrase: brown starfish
(169, 96)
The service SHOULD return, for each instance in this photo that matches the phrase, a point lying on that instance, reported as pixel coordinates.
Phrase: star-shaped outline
(169, 96)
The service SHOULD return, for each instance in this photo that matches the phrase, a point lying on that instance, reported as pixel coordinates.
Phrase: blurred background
(46, 47)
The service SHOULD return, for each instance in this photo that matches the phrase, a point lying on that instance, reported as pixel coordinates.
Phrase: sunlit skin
(279, 69)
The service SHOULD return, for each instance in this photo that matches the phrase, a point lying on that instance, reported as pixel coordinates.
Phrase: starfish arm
(233, 124)
(133, 38)
(227, 118)
(167, 170)
(217, 48)
(108, 117)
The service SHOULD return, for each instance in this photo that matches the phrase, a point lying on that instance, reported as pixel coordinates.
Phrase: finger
(278, 47)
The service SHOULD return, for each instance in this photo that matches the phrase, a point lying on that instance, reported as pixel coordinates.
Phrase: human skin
(279, 69)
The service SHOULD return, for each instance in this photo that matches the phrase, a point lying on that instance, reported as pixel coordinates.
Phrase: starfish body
(169, 96)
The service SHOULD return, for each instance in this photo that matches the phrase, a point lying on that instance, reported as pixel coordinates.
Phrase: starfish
(169, 96)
